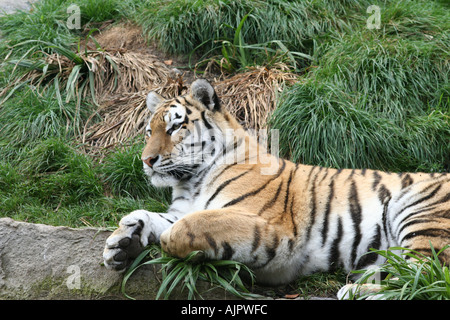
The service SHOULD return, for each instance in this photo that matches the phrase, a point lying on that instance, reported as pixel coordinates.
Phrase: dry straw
(250, 96)
(123, 116)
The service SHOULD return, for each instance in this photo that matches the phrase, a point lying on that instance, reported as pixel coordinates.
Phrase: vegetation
(50, 86)
(341, 95)
(186, 272)
(377, 98)
(424, 279)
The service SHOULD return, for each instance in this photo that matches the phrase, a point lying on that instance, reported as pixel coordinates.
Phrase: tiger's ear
(153, 100)
(203, 91)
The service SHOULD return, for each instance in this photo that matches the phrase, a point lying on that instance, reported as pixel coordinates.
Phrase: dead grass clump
(90, 73)
(114, 81)
(251, 95)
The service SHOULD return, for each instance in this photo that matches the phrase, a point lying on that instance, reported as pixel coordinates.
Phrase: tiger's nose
(150, 161)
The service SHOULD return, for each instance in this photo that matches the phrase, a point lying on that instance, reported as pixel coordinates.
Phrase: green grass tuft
(60, 175)
(46, 22)
(122, 171)
(374, 101)
(40, 116)
(296, 23)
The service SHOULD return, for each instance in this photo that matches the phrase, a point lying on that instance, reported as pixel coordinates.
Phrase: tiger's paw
(128, 241)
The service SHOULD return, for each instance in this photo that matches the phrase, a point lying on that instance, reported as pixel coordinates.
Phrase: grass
(419, 278)
(252, 95)
(180, 275)
(320, 284)
(237, 34)
(122, 171)
(49, 86)
(322, 124)
(85, 75)
(46, 22)
(54, 183)
(40, 117)
(235, 54)
(297, 22)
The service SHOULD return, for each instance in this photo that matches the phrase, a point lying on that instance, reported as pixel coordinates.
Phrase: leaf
(68, 53)
(11, 92)
(131, 269)
(90, 37)
(92, 87)
(72, 81)
(58, 93)
(29, 64)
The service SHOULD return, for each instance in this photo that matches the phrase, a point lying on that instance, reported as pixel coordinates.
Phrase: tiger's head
(184, 134)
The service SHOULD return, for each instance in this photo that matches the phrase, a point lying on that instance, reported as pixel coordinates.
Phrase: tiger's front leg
(228, 234)
(135, 231)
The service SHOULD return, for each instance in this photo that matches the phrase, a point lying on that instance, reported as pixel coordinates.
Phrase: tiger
(281, 219)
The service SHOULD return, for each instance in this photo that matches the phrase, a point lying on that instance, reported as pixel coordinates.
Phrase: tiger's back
(290, 220)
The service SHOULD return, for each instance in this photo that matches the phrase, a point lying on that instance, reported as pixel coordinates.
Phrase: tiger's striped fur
(296, 220)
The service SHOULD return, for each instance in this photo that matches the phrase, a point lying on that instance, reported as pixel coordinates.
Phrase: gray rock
(40, 261)
(45, 262)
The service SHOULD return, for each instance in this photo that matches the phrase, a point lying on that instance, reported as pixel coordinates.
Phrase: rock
(44, 262)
